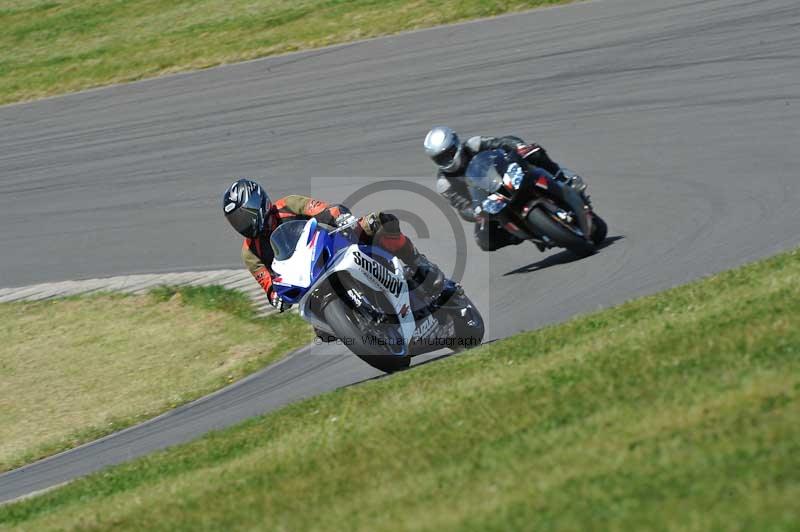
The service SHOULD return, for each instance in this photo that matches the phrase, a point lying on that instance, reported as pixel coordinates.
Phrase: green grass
(75, 369)
(674, 412)
(49, 47)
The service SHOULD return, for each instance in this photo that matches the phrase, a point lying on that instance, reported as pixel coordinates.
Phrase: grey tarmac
(682, 115)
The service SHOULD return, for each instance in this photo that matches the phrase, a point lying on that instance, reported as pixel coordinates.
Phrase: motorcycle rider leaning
(452, 157)
(253, 215)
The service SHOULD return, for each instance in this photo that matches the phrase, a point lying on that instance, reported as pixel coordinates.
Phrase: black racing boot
(425, 273)
(577, 183)
(418, 267)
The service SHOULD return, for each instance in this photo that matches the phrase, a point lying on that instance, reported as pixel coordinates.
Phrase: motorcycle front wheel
(375, 350)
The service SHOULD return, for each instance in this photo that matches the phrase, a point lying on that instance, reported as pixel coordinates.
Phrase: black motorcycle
(532, 204)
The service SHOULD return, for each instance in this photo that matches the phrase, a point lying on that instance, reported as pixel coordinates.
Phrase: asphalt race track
(684, 116)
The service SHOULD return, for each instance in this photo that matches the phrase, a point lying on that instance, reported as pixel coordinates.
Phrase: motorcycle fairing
(320, 254)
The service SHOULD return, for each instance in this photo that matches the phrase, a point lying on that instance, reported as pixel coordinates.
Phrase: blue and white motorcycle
(364, 297)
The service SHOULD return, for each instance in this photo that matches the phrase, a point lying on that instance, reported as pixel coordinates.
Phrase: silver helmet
(443, 146)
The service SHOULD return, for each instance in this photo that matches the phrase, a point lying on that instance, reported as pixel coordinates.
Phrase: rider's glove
(277, 301)
(461, 203)
(345, 219)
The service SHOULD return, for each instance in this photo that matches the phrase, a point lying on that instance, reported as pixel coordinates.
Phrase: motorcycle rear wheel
(467, 335)
(599, 229)
(543, 223)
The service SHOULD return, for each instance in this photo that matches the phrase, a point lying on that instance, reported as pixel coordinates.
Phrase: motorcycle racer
(249, 210)
(444, 147)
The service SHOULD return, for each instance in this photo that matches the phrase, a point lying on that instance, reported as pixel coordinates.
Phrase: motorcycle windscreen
(485, 171)
(484, 177)
(284, 239)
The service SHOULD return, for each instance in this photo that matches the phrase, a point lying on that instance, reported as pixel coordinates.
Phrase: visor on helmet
(247, 221)
(246, 209)
(447, 156)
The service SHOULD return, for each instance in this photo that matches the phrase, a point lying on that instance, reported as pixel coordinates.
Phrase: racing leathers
(489, 234)
(378, 228)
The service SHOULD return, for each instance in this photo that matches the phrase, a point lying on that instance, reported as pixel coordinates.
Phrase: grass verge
(676, 411)
(50, 47)
(75, 369)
